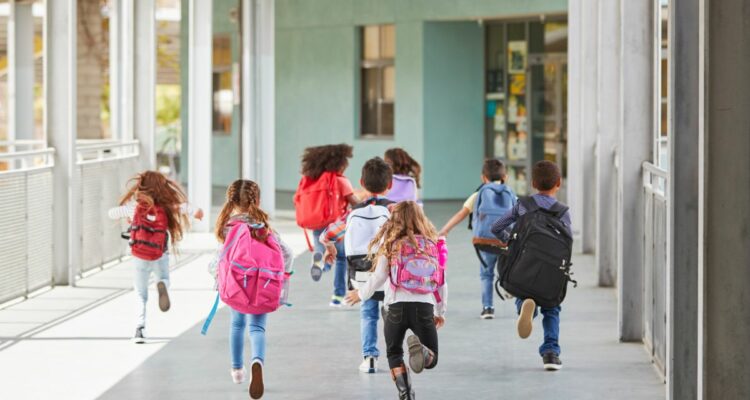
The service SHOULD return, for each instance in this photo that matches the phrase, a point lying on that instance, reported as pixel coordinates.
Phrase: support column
(199, 108)
(20, 71)
(608, 134)
(636, 137)
(121, 65)
(589, 125)
(576, 153)
(144, 113)
(725, 203)
(60, 61)
(258, 111)
(682, 217)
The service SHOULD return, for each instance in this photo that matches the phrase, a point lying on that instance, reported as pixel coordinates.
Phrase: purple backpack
(404, 188)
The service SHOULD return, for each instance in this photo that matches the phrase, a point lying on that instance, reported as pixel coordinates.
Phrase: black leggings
(415, 316)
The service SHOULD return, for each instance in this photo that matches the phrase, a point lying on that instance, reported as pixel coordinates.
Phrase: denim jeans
(487, 277)
(257, 337)
(369, 314)
(143, 271)
(551, 325)
(339, 272)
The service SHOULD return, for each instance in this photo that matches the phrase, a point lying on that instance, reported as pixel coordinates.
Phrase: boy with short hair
(356, 230)
(546, 179)
(493, 178)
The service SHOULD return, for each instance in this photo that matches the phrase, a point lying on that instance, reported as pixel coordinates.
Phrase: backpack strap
(211, 315)
(529, 204)
(558, 209)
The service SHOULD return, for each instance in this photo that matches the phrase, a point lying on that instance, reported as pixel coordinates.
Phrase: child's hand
(329, 257)
(439, 322)
(352, 297)
(443, 233)
(198, 214)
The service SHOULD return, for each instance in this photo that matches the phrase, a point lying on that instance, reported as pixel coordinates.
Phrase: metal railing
(103, 169)
(655, 262)
(26, 207)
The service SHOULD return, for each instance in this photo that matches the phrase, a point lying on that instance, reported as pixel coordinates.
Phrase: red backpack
(318, 201)
(148, 232)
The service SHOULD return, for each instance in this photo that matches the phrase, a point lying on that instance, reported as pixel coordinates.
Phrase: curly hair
(403, 164)
(153, 188)
(407, 220)
(243, 197)
(328, 158)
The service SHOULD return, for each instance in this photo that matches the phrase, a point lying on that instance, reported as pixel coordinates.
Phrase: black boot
(400, 375)
(420, 357)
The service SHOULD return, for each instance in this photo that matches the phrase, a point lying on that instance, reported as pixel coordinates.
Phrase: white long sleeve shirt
(399, 295)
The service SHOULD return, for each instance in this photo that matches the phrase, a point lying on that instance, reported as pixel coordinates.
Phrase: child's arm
(286, 252)
(498, 228)
(120, 212)
(333, 233)
(455, 220)
(377, 280)
(190, 210)
(353, 200)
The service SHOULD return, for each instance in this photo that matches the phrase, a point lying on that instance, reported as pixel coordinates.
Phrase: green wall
(439, 82)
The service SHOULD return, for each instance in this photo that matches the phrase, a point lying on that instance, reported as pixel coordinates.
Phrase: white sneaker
(139, 336)
(238, 375)
(369, 365)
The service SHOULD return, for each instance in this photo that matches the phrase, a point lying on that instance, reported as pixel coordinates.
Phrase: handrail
(17, 155)
(21, 142)
(24, 161)
(654, 170)
(105, 145)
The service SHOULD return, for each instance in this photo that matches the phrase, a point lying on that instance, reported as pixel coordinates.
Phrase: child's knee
(434, 362)
(255, 328)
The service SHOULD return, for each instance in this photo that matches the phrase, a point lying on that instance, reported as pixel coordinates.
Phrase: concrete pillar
(121, 66)
(144, 113)
(682, 218)
(576, 153)
(609, 121)
(20, 71)
(725, 203)
(258, 111)
(60, 60)
(200, 107)
(589, 105)
(635, 144)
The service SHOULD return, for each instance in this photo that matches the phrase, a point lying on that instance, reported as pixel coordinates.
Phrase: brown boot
(420, 357)
(400, 376)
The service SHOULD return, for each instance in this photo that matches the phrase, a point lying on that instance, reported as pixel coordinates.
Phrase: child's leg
(369, 316)
(237, 338)
(258, 336)
(551, 324)
(527, 311)
(141, 273)
(487, 276)
(317, 246)
(394, 330)
(423, 352)
(162, 269)
(339, 276)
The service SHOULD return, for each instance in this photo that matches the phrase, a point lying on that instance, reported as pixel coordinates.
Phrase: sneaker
(238, 375)
(315, 270)
(256, 379)
(163, 296)
(369, 365)
(525, 317)
(138, 337)
(551, 361)
(487, 313)
(336, 301)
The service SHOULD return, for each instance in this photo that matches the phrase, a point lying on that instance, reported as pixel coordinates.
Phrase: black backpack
(537, 264)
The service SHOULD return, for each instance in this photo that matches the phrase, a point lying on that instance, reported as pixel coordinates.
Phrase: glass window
(378, 80)
(223, 95)
(661, 136)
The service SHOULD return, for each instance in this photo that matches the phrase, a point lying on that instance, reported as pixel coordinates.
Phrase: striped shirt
(500, 227)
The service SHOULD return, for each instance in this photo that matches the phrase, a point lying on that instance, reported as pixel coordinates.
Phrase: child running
(241, 209)
(491, 201)
(407, 254)
(356, 231)
(155, 206)
(323, 196)
(546, 179)
(406, 175)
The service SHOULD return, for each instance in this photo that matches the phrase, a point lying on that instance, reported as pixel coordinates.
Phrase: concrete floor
(313, 351)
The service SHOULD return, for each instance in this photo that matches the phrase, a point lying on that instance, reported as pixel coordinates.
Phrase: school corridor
(76, 343)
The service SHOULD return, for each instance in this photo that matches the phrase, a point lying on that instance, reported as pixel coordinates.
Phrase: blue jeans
(369, 314)
(339, 273)
(237, 337)
(487, 276)
(143, 271)
(551, 325)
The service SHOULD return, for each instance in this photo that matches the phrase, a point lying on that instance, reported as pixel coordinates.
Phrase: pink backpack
(251, 273)
(419, 270)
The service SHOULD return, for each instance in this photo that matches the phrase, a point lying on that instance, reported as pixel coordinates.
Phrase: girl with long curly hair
(407, 175)
(420, 310)
(320, 165)
(158, 211)
(242, 205)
